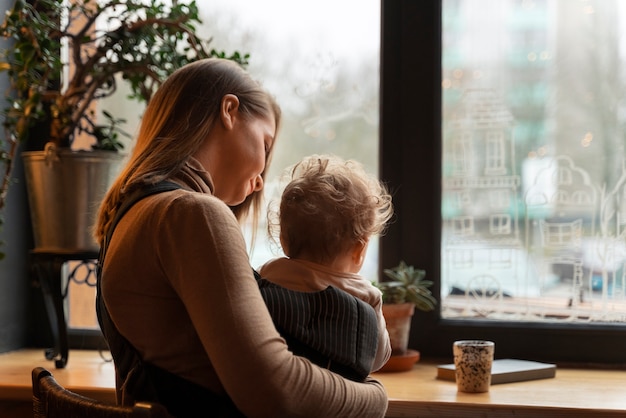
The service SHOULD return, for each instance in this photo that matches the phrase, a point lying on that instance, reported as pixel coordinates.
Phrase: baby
(328, 211)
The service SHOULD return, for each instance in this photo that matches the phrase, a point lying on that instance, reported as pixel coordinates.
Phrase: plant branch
(7, 157)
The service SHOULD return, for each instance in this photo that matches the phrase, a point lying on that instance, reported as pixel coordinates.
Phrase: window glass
(534, 168)
(321, 61)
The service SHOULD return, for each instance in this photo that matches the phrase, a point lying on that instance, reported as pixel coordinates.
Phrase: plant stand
(47, 270)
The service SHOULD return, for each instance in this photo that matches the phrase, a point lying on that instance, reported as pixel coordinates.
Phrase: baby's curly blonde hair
(328, 205)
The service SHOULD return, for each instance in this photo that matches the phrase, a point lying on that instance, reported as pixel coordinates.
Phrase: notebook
(507, 370)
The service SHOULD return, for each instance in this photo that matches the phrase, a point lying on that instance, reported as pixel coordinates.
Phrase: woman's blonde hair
(177, 120)
(328, 205)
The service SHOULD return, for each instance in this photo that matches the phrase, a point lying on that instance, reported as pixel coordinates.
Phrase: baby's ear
(359, 249)
(229, 110)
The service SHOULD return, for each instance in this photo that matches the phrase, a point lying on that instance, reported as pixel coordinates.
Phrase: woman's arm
(216, 284)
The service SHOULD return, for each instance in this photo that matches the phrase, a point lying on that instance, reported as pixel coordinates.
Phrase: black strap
(130, 200)
(134, 197)
(136, 380)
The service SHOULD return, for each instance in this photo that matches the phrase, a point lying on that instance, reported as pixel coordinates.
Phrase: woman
(176, 280)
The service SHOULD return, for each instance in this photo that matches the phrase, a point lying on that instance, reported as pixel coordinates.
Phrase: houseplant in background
(62, 58)
(407, 290)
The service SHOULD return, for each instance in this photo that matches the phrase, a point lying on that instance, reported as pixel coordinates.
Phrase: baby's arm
(367, 292)
(384, 344)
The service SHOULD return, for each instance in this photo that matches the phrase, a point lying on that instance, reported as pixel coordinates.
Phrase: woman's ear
(228, 110)
(283, 244)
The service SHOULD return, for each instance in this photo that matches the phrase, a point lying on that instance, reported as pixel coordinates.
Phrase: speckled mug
(472, 363)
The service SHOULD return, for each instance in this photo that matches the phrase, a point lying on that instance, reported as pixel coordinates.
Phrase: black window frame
(410, 164)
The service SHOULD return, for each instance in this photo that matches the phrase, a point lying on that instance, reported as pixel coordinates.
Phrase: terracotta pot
(398, 318)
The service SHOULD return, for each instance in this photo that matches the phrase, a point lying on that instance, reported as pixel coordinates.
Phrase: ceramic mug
(472, 363)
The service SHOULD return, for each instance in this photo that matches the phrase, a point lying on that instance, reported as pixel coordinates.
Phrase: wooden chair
(51, 400)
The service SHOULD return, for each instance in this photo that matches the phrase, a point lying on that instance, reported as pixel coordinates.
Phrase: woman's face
(237, 155)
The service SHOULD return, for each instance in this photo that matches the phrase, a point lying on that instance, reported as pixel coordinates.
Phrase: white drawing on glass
(485, 294)
(553, 245)
(561, 206)
(481, 190)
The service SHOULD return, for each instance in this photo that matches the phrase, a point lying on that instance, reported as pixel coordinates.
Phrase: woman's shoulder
(182, 220)
(181, 209)
(185, 200)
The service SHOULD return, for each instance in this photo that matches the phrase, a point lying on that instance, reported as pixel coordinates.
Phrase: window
(495, 163)
(531, 189)
(461, 157)
(499, 224)
(325, 78)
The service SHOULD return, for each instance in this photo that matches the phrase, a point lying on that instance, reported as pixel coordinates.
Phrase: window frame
(410, 164)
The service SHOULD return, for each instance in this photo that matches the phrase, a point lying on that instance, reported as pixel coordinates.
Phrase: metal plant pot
(65, 189)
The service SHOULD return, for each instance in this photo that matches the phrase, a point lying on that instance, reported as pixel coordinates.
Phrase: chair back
(51, 400)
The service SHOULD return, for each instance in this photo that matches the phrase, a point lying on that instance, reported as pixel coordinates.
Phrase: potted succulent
(408, 289)
(62, 58)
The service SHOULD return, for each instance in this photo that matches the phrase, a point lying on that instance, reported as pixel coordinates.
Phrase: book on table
(507, 371)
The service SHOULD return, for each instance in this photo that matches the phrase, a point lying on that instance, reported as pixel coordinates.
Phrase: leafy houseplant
(64, 56)
(408, 289)
(408, 285)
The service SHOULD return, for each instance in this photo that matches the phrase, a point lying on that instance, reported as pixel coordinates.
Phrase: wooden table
(572, 393)
(88, 374)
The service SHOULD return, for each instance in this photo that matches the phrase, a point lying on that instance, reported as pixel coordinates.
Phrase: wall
(15, 291)
(21, 312)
